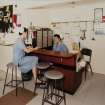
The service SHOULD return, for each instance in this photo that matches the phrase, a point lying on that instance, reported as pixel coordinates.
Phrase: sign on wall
(99, 28)
(98, 13)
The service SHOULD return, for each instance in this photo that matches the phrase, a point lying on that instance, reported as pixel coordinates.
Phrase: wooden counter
(66, 63)
(56, 57)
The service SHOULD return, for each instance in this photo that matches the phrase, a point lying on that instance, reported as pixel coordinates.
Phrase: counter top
(4, 43)
(9, 39)
(53, 53)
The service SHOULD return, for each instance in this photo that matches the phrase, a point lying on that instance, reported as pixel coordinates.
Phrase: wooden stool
(11, 66)
(55, 79)
(41, 68)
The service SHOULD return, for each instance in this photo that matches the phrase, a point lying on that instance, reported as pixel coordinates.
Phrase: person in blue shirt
(59, 46)
(25, 63)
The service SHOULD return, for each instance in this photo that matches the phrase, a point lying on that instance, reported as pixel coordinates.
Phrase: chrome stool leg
(5, 81)
(12, 77)
(62, 85)
(16, 80)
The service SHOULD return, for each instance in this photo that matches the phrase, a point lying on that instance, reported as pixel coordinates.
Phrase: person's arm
(54, 47)
(64, 49)
(30, 49)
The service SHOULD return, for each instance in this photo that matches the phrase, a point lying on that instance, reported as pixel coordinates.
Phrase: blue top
(61, 48)
(26, 63)
(18, 51)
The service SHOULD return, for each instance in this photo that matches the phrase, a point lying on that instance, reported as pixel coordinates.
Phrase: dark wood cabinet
(72, 79)
(43, 38)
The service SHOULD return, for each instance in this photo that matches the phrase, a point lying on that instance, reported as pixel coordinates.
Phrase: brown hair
(25, 30)
(58, 36)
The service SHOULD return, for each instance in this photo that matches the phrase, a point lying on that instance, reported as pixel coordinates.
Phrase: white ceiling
(63, 3)
(40, 4)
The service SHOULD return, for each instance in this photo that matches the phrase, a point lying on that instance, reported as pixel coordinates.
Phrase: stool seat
(53, 75)
(43, 65)
(11, 64)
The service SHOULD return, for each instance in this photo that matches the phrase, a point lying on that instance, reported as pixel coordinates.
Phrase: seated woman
(59, 46)
(26, 63)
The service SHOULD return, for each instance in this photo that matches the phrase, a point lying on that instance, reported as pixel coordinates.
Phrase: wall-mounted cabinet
(43, 38)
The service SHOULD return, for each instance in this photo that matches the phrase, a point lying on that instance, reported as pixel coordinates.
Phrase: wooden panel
(50, 38)
(39, 39)
(49, 59)
(72, 79)
(44, 38)
(69, 61)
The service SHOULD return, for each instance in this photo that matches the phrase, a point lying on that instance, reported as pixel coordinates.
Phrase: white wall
(85, 13)
(5, 56)
(45, 17)
(37, 17)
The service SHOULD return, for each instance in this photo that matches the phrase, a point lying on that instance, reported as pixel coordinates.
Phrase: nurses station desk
(65, 63)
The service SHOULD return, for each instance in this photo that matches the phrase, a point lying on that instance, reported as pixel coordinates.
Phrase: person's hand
(29, 47)
(37, 48)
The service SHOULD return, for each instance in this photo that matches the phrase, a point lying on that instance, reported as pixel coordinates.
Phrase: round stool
(11, 66)
(41, 68)
(43, 65)
(54, 93)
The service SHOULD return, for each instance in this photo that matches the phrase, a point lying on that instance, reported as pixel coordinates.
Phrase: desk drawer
(49, 59)
(55, 60)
